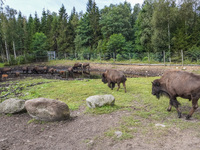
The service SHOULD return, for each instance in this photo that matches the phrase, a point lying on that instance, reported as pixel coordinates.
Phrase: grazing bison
(77, 66)
(113, 76)
(175, 84)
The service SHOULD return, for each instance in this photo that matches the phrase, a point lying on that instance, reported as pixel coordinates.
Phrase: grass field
(144, 109)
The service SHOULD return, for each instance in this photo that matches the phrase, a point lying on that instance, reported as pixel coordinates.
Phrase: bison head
(104, 80)
(156, 88)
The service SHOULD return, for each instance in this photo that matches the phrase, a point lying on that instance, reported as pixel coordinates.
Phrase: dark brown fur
(17, 74)
(5, 70)
(52, 71)
(178, 84)
(40, 69)
(77, 66)
(85, 66)
(113, 76)
(25, 69)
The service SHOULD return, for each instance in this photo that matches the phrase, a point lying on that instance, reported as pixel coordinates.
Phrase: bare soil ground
(86, 131)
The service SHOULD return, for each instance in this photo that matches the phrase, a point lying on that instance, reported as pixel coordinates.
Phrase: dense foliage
(116, 31)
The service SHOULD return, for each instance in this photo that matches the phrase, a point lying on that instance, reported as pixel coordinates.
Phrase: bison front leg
(175, 103)
(194, 107)
(109, 85)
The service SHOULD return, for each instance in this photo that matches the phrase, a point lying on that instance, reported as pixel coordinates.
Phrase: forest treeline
(114, 32)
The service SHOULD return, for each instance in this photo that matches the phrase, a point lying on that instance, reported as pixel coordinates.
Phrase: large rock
(12, 105)
(100, 100)
(47, 109)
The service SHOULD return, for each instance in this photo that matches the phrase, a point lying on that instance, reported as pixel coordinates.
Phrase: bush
(119, 57)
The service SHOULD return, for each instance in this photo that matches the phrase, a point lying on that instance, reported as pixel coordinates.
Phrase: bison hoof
(168, 109)
(187, 117)
(179, 115)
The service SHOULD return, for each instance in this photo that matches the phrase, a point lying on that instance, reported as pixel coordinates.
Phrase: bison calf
(4, 76)
(178, 84)
(113, 76)
(17, 74)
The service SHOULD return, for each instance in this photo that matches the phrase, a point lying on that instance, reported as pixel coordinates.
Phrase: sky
(28, 7)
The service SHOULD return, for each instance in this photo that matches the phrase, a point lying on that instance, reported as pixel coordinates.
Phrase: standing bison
(113, 76)
(175, 84)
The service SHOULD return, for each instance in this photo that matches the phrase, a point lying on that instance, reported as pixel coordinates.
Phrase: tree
(38, 44)
(163, 20)
(36, 21)
(62, 30)
(29, 32)
(116, 19)
(143, 28)
(53, 40)
(44, 28)
(116, 44)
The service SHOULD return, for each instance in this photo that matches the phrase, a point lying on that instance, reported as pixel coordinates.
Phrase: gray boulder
(47, 109)
(12, 105)
(100, 100)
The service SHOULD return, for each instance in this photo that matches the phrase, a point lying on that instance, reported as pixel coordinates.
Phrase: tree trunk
(14, 50)
(7, 55)
(169, 42)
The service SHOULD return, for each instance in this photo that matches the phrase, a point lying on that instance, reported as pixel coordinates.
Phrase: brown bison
(175, 84)
(113, 76)
(52, 71)
(5, 70)
(4, 76)
(25, 69)
(86, 66)
(62, 73)
(17, 74)
(77, 66)
(70, 69)
(39, 70)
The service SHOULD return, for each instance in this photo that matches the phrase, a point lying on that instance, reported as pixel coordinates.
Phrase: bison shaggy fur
(113, 76)
(175, 84)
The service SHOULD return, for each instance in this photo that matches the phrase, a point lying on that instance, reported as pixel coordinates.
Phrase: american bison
(4, 76)
(113, 76)
(77, 66)
(5, 70)
(40, 70)
(62, 73)
(86, 66)
(17, 74)
(25, 69)
(175, 84)
(52, 71)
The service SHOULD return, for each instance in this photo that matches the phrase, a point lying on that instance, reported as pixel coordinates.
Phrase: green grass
(1, 65)
(144, 110)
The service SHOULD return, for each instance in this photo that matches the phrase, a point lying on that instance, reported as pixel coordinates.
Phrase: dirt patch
(86, 131)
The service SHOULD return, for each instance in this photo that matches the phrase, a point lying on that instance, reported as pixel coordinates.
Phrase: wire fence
(165, 58)
(181, 58)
